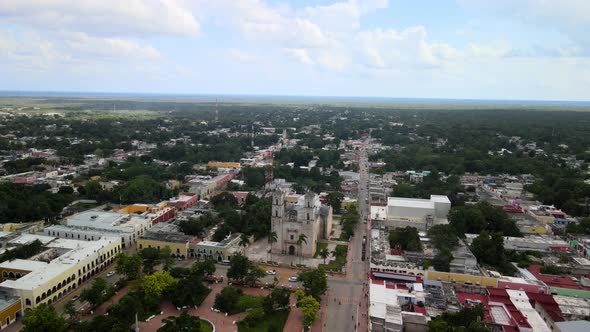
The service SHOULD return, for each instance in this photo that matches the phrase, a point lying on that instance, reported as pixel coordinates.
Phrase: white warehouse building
(415, 212)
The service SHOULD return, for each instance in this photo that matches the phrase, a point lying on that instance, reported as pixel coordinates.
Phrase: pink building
(184, 201)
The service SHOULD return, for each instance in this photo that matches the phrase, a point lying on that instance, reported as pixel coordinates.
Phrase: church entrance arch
(291, 250)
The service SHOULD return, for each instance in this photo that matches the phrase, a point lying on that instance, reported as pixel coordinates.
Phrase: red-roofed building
(561, 281)
(512, 209)
(184, 201)
(503, 313)
(240, 195)
(546, 306)
(561, 249)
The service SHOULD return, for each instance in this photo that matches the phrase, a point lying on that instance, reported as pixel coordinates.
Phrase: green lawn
(339, 262)
(319, 247)
(205, 326)
(203, 297)
(275, 322)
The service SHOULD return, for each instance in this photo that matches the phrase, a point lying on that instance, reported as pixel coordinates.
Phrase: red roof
(548, 303)
(512, 209)
(420, 310)
(562, 281)
(561, 248)
(472, 297)
(501, 296)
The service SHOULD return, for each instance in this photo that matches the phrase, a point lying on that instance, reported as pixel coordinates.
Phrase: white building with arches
(301, 215)
(62, 266)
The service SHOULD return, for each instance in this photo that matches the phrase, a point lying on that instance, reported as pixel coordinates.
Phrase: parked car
(271, 272)
(293, 279)
(110, 274)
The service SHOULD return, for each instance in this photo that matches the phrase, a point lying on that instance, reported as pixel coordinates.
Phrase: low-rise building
(218, 251)
(393, 305)
(414, 212)
(167, 235)
(184, 201)
(62, 266)
(93, 224)
(533, 242)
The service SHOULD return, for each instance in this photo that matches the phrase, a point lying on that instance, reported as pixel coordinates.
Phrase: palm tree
(300, 240)
(272, 238)
(244, 242)
(324, 253)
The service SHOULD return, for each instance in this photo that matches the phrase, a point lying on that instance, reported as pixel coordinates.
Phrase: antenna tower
(216, 112)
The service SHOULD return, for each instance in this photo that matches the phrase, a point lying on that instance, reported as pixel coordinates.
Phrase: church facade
(301, 214)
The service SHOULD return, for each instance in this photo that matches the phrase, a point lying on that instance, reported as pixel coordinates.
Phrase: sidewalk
(295, 319)
(222, 323)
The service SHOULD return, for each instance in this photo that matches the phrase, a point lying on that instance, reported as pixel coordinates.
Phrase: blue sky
(477, 49)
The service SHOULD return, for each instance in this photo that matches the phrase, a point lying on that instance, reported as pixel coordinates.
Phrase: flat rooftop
(106, 219)
(40, 272)
(167, 237)
(417, 202)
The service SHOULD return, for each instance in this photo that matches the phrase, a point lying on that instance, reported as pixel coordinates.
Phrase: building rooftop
(383, 304)
(7, 299)
(574, 326)
(561, 281)
(23, 239)
(107, 220)
(521, 301)
(572, 305)
(410, 202)
(41, 271)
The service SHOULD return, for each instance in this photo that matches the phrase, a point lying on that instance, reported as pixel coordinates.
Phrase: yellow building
(10, 309)
(534, 230)
(459, 278)
(178, 249)
(62, 266)
(134, 208)
(167, 235)
(25, 227)
(223, 164)
(541, 217)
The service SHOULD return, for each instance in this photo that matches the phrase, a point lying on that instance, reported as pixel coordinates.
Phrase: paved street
(347, 301)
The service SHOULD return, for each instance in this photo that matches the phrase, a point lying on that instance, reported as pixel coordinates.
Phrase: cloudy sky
(483, 49)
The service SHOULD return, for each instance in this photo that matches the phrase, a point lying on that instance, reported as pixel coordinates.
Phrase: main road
(348, 302)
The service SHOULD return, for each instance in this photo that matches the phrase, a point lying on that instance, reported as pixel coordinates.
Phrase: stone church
(293, 215)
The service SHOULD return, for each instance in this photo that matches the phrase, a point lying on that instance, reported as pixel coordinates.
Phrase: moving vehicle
(110, 274)
(293, 279)
(271, 272)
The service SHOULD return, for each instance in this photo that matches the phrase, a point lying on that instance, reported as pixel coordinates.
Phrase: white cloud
(241, 56)
(300, 54)
(409, 47)
(567, 16)
(102, 17)
(333, 60)
(499, 50)
(109, 48)
(342, 16)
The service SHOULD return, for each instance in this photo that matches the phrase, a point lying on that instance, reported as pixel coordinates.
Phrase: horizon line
(168, 94)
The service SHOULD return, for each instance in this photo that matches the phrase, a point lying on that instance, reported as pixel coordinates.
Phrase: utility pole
(216, 113)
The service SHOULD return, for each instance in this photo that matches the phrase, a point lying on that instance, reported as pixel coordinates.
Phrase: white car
(110, 274)
(292, 279)
(271, 272)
